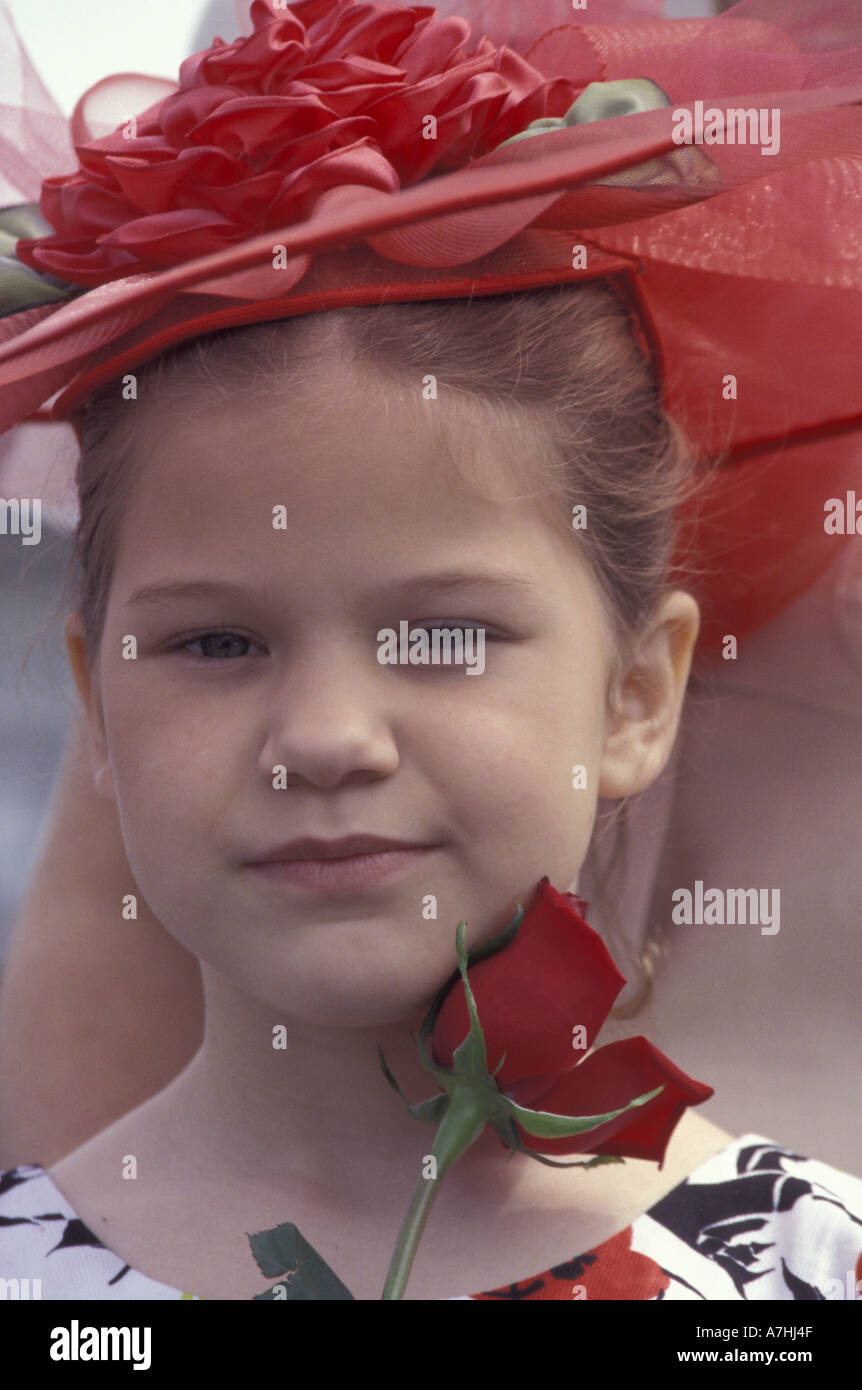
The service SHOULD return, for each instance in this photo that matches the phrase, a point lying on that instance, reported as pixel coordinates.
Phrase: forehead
(348, 430)
(373, 480)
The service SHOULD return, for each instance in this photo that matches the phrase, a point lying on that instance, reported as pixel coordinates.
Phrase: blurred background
(155, 37)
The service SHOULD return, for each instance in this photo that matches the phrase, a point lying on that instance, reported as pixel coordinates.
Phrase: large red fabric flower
(532, 998)
(325, 93)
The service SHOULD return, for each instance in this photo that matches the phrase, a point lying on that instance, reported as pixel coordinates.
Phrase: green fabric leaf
(23, 220)
(22, 288)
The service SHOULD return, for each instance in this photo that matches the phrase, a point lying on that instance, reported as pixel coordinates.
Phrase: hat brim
(465, 224)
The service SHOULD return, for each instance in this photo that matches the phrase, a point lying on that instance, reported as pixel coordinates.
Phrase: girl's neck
(250, 1135)
(316, 1114)
(273, 1097)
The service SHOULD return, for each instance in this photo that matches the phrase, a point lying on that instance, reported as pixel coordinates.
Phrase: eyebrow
(175, 590)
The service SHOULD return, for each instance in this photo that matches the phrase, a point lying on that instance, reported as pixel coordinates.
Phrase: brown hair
(560, 363)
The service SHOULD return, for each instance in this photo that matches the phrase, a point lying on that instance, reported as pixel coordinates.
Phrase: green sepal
(470, 1058)
(544, 1124)
(487, 948)
(430, 1111)
(465, 961)
(468, 1083)
(284, 1250)
(445, 1078)
(497, 943)
(510, 1136)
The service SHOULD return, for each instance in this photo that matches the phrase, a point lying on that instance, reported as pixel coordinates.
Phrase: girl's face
(189, 735)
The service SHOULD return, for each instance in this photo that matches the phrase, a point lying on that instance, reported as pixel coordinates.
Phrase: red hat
(345, 153)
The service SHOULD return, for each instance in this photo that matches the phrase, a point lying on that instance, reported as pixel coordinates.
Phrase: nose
(329, 719)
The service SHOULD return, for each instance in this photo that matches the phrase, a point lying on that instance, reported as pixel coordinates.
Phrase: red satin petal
(183, 113)
(201, 231)
(83, 207)
(157, 188)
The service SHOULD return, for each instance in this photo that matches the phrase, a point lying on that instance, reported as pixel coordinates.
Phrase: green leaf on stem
(284, 1250)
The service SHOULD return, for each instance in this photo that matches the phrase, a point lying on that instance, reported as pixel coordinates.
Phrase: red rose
(556, 977)
(324, 93)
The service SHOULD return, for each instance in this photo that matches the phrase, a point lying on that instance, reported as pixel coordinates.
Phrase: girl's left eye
(489, 633)
(455, 627)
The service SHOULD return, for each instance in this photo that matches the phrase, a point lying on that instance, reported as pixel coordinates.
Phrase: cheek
(509, 764)
(167, 771)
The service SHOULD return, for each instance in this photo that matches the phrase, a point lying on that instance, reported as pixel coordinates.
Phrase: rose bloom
(554, 977)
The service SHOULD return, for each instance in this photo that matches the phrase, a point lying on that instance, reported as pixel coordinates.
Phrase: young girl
(258, 506)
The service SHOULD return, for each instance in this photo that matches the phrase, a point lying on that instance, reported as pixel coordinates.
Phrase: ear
(645, 700)
(88, 690)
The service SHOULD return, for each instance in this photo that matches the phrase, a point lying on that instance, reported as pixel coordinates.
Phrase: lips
(345, 848)
(352, 874)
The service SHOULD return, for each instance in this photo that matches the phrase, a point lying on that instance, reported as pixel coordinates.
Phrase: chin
(354, 999)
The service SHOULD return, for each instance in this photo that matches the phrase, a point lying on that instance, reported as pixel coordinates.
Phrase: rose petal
(612, 1076)
(555, 975)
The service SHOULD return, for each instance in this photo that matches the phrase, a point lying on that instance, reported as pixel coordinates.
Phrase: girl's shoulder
(766, 1223)
(755, 1221)
(47, 1252)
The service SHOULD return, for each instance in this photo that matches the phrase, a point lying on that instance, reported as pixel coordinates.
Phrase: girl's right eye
(217, 636)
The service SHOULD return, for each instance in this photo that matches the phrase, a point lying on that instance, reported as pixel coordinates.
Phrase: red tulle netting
(742, 263)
